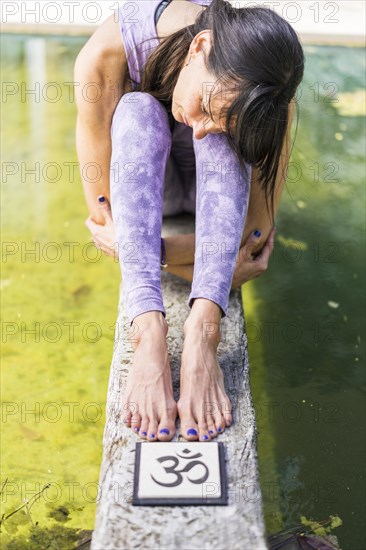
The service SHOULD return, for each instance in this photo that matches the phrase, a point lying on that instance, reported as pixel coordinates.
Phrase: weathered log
(240, 525)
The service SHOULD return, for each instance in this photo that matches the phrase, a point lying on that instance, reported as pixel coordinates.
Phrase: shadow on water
(59, 299)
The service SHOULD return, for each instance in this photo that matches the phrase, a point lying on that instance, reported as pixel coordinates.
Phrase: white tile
(206, 469)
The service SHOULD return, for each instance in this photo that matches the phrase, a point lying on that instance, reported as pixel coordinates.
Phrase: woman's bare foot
(204, 408)
(149, 407)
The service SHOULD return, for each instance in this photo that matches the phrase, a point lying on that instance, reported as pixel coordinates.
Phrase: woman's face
(192, 91)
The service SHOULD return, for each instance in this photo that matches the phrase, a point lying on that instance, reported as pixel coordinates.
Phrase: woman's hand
(104, 235)
(249, 266)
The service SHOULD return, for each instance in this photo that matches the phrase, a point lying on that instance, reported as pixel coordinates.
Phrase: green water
(306, 327)
(304, 316)
(60, 372)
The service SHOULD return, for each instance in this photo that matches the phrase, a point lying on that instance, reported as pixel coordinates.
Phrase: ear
(202, 42)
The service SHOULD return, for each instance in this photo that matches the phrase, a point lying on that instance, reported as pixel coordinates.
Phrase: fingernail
(164, 431)
(101, 198)
(257, 233)
(191, 431)
(204, 437)
(143, 433)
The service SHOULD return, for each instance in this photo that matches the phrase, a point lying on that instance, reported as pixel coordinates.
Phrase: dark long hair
(257, 55)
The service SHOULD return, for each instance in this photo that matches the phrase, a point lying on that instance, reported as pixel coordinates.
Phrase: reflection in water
(305, 353)
(36, 79)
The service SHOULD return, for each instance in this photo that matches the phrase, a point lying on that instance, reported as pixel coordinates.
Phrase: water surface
(59, 305)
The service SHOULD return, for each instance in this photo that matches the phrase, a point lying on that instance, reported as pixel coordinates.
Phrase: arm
(102, 61)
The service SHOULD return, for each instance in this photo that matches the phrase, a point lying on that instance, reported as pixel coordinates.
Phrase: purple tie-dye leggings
(141, 145)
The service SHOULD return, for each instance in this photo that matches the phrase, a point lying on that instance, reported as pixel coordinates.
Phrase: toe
(126, 416)
(166, 429)
(211, 427)
(203, 432)
(226, 412)
(219, 422)
(152, 430)
(135, 422)
(144, 427)
(188, 424)
(228, 419)
(189, 429)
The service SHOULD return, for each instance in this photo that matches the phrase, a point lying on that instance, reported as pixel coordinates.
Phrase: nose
(199, 129)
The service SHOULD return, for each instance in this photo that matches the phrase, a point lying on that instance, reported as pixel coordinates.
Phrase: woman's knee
(140, 109)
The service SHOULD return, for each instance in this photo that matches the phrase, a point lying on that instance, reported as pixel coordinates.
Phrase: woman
(202, 108)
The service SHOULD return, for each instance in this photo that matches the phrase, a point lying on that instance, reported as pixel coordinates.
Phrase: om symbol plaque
(190, 473)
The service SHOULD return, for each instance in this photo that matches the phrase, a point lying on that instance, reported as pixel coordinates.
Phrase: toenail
(204, 437)
(219, 429)
(211, 432)
(152, 435)
(143, 433)
(164, 431)
(136, 429)
(191, 431)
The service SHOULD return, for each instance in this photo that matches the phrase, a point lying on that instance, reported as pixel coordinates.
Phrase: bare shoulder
(178, 14)
(106, 40)
(104, 53)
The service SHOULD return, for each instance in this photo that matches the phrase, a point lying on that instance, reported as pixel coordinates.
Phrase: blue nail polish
(191, 431)
(136, 429)
(101, 198)
(257, 233)
(204, 437)
(152, 435)
(211, 432)
(143, 433)
(164, 431)
(219, 429)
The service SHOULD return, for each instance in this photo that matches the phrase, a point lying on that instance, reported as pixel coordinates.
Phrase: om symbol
(178, 473)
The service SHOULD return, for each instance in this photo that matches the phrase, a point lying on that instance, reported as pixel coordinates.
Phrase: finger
(105, 243)
(100, 246)
(111, 252)
(107, 252)
(251, 244)
(90, 224)
(268, 248)
(105, 208)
